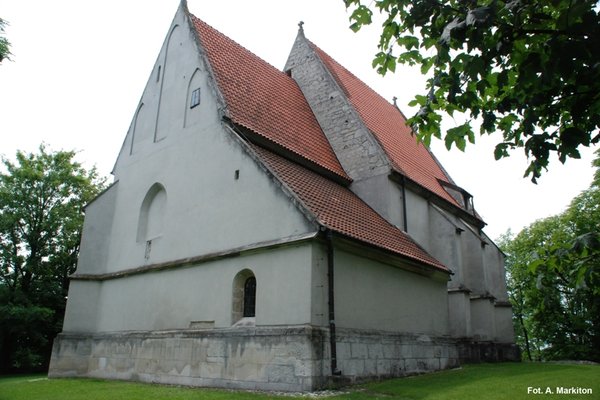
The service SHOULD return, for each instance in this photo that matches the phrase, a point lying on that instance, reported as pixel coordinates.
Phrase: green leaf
(457, 135)
(489, 122)
(408, 42)
(528, 64)
(361, 16)
(411, 57)
(426, 65)
(501, 150)
(384, 62)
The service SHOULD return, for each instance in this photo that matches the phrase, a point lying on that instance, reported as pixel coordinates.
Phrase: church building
(276, 230)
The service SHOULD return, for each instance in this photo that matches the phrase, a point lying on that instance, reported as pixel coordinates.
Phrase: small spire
(394, 100)
(300, 26)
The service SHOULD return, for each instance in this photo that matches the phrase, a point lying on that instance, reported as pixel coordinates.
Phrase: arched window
(243, 296)
(150, 224)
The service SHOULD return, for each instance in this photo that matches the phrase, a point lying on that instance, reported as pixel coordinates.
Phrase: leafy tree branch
(4, 43)
(527, 70)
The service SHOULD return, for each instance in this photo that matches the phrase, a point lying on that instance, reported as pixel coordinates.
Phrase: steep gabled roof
(387, 123)
(265, 100)
(339, 209)
(270, 104)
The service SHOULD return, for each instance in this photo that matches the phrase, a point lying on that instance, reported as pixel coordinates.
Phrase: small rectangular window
(195, 100)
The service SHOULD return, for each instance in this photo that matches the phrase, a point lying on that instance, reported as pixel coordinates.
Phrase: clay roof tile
(265, 100)
(407, 155)
(269, 103)
(339, 209)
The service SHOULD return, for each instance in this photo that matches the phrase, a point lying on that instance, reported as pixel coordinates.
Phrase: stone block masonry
(282, 359)
(261, 358)
(365, 355)
(359, 153)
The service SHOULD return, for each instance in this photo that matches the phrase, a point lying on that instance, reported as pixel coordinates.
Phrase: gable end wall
(358, 151)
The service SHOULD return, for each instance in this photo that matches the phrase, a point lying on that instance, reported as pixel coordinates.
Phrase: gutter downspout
(330, 285)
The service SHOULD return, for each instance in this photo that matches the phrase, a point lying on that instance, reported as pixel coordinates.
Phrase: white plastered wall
(203, 293)
(217, 198)
(376, 296)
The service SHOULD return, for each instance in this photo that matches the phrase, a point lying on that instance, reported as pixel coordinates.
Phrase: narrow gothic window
(250, 297)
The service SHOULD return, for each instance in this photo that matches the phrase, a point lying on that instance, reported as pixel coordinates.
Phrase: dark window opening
(195, 100)
(250, 297)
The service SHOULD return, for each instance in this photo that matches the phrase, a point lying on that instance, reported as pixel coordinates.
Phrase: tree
(41, 215)
(4, 43)
(553, 270)
(528, 69)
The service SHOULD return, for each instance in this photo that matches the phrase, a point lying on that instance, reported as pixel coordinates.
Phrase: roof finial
(394, 100)
(300, 27)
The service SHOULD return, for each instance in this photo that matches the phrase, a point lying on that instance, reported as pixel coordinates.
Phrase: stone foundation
(262, 358)
(476, 352)
(365, 355)
(286, 359)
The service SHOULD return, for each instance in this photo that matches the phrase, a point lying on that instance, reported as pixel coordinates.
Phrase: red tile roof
(408, 156)
(269, 103)
(265, 100)
(339, 209)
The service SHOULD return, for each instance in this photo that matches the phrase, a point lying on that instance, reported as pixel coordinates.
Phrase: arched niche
(169, 113)
(152, 210)
(194, 92)
(137, 132)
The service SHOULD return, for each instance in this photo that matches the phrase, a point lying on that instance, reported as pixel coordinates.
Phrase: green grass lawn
(484, 381)
(489, 381)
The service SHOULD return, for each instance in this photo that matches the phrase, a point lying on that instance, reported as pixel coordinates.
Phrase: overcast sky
(79, 69)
